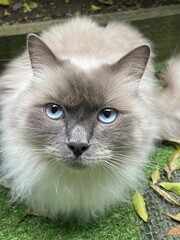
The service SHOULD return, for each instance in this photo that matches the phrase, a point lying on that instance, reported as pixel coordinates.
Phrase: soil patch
(23, 11)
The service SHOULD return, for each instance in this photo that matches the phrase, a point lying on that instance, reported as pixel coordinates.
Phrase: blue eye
(107, 115)
(54, 111)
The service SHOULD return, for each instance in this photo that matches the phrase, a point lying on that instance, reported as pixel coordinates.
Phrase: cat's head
(84, 116)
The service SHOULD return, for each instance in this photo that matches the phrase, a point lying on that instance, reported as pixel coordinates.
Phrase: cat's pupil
(54, 109)
(107, 113)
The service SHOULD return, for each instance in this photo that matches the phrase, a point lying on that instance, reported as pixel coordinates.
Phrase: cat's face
(82, 117)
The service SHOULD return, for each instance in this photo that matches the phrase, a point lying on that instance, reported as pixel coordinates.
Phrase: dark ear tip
(146, 49)
(31, 37)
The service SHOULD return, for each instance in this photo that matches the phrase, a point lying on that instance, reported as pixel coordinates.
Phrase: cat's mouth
(76, 163)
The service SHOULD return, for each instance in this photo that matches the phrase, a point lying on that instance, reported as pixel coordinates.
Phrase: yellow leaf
(155, 176)
(5, 2)
(174, 163)
(173, 187)
(139, 206)
(172, 139)
(95, 8)
(165, 195)
(178, 147)
(175, 231)
(175, 217)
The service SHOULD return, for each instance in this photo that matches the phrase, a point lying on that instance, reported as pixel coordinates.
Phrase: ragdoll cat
(79, 117)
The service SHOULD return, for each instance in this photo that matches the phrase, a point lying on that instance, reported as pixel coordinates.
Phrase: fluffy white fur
(52, 188)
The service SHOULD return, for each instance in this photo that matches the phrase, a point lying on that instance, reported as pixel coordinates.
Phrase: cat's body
(77, 164)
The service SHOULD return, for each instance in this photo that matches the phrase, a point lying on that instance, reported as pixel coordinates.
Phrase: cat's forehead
(83, 89)
(73, 87)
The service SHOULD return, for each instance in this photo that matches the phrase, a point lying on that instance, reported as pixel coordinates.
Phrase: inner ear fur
(39, 53)
(134, 63)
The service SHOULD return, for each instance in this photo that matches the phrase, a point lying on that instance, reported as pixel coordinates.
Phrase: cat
(80, 115)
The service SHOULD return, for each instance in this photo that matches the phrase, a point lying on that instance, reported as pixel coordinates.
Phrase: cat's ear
(134, 63)
(40, 54)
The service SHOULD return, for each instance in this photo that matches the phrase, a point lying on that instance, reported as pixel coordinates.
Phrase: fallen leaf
(175, 231)
(6, 13)
(95, 8)
(33, 5)
(139, 206)
(172, 139)
(165, 195)
(155, 176)
(26, 8)
(174, 162)
(5, 2)
(173, 187)
(30, 212)
(29, 6)
(178, 147)
(175, 217)
(168, 172)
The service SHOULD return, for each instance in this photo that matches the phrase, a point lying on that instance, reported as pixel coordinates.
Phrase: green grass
(121, 223)
(116, 225)
(161, 156)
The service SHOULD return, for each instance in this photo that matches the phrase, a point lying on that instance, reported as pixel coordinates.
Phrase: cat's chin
(77, 166)
(77, 163)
